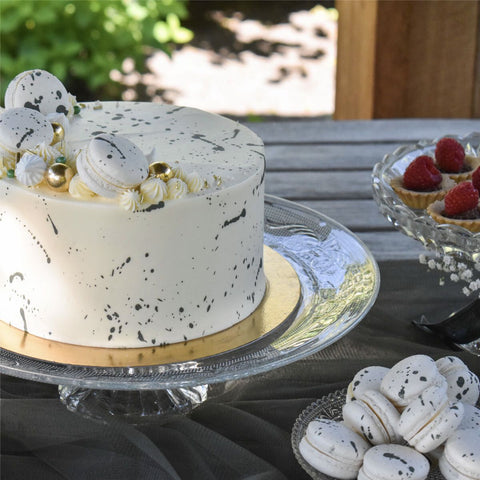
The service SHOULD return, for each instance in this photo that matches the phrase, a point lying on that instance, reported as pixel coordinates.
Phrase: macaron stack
(418, 412)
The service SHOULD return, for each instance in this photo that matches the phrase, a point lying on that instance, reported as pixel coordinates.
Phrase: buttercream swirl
(47, 152)
(194, 182)
(130, 200)
(79, 190)
(153, 190)
(176, 189)
(179, 172)
(30, 169)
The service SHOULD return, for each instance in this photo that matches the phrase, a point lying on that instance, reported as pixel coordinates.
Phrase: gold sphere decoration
(58, 133)
(161, 170)
(58, 176)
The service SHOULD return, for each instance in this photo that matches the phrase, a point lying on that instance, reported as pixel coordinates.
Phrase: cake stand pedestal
(339, 282)
(457, 249)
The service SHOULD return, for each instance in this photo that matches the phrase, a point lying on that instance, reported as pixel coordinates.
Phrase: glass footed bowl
(329, 406)
(444, 239)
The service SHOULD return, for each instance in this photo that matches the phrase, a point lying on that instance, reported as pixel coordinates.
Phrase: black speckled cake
(142, 226)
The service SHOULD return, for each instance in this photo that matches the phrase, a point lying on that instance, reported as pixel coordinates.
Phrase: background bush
(81, 41)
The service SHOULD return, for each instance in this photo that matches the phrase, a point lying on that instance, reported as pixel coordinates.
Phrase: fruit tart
(422, 183)
(459, 207)
(450, 158)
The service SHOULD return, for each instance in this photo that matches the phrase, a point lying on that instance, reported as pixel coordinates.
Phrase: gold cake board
(280, 302)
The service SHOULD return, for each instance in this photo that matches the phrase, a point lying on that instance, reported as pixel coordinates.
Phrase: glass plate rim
(417, 223)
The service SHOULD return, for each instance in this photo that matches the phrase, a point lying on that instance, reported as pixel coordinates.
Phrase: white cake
(78, 268)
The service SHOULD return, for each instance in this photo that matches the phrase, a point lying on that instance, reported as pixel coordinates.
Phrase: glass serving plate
(445, 239)
(330, 406)
(454, 242)
(339, 281)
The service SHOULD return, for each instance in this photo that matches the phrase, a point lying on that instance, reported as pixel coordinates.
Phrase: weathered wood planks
(326, 166)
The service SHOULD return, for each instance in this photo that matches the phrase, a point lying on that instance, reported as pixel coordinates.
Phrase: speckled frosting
(86, 272)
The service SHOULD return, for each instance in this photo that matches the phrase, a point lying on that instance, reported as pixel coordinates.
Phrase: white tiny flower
(454, 277)
(466, 275)
(422, 259)
(473, 286)
(466, 291)
(461, 266)
(431, 264)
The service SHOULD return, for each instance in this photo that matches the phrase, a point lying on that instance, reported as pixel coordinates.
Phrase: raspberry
(476, 179)
(449, 155)
(422, 175)
(461, 198)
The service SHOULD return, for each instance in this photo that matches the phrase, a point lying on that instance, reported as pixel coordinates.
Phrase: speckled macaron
(38, 90)
(463, 384)
(409, 378)
(471, 418)
(374, 417)
(111, 165)
(461, 456)
(429, 420)
(393, 462)
(368, 378)
(22, 129)
(333, 449)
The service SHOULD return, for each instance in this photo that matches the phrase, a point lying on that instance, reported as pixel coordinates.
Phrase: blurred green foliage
(81, 41)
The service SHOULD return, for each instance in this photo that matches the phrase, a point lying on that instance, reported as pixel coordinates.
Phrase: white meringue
(194, 182)
(30, 169)
(176, 189)
(179, 172)
(153, 190)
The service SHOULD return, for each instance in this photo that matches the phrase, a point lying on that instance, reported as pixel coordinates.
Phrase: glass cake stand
(339, 282)
(457, 248)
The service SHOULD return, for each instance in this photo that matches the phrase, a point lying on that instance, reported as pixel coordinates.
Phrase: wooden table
(326, 166)
(245, 434)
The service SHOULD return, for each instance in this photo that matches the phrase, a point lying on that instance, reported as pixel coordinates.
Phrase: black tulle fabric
(243, 435)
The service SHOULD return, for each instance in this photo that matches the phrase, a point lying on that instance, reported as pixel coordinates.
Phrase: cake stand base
(461, 328)
(137, 406)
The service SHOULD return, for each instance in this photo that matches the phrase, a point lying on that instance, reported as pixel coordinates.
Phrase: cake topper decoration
(30, 169)
(161, 170)
(34, 129)
(39, 90)
(111, 165)
(58, 177)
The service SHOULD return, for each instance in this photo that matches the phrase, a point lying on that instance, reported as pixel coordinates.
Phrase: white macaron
(463, 384)
(409, 378)
(22, 129)
(38, 90)
(374, 417)
(429, 420)
(111, 165)
(461, 456)
(471, 418)
(333, 449)
(368, 378)
(393, 462)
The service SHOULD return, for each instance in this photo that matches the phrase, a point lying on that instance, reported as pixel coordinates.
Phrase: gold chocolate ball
(58, 133)
(58, 177)
(161, 170)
